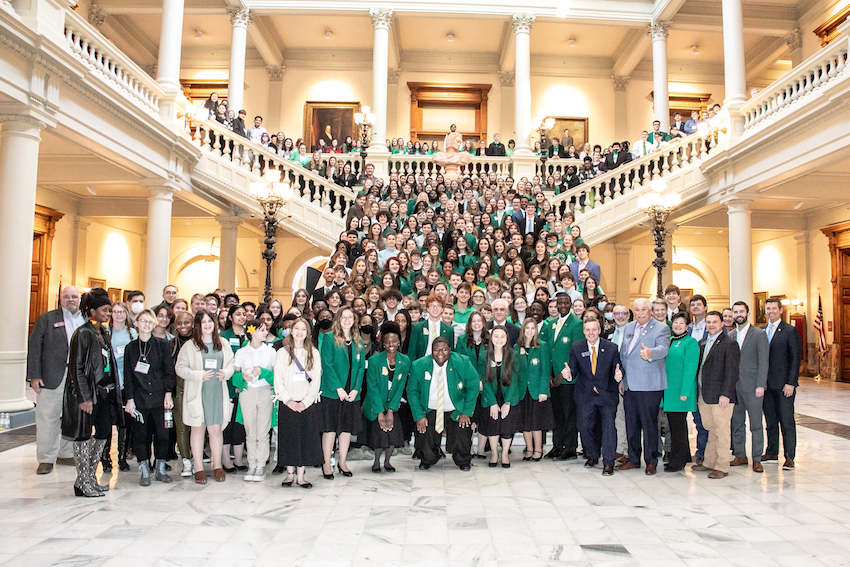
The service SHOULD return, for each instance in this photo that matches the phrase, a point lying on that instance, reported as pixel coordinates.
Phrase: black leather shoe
(591, 462)
(567, 456)
(388, 467)
(229, 469)
(376, 468)
(344, 473)
(465, 467)
(278, 469)
(673, 468)
(608, 470)
(305, 484)
(424, 467)
(553, 453)
(493, 465)
(506, 465)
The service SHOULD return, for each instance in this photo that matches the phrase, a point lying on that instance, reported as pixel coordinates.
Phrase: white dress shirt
(73, 321)
(435, 383)
(698, 330)
(433, 333)
(741, 334)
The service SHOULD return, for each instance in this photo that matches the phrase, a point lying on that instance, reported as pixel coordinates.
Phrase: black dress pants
(641, 409)
(458, 441)
(680, 448)
(779, 414)
(151, 431)
(565, 434)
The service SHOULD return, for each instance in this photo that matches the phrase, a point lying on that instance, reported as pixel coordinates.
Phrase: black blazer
(611, 163)
(719, 369)
(602, 383)
(349, 180)
(784, 359)
(513, 331)
(538, 224)
(48, 349)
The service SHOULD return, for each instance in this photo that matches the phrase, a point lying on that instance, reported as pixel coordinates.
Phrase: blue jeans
(702, 435)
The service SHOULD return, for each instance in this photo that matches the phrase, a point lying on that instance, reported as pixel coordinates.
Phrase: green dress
(211, 397)
(681, 365)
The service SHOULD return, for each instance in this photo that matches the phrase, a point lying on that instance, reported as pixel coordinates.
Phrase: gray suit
(752, 374)
(47, 359)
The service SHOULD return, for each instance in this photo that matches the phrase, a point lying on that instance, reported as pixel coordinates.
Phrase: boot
(99, 448)
(84, 485)
(122, 449)
(161, 475)
(106, 458)
(145, 471)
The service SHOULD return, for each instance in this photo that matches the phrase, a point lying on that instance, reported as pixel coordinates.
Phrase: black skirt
(299, 442)
(340, 417)
(504, 428)
(377, 438)
(536, 416)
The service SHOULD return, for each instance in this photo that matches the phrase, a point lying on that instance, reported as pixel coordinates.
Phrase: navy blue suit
(597, 396)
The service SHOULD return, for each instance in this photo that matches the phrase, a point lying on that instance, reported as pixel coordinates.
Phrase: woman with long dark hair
(205, 363)
(234, 434)
(92, 398)
(183, 323)
(533, 367)
(473, 344)
(500, 397)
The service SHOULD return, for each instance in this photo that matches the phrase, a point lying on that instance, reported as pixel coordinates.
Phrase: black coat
(47, 351)
(719, 369)
(147, 389)
(86, 364)
(784, 359)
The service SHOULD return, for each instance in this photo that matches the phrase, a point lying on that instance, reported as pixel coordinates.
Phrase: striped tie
(438, 422)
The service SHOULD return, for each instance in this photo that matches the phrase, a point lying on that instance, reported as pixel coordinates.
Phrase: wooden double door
(44, 227)
(839, 249)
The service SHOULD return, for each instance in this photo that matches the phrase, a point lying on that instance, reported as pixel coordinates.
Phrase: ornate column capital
(521, 23)
(794, 39)
(506, 78)
(737, 203)
(229, 221)
(275, 72)
(659, 31)
(620, 82)
(381, 18)
(239, 17)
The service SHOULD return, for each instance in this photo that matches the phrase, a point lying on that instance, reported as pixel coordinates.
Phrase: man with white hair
(47, 361)
(500, 316)
(645, 344)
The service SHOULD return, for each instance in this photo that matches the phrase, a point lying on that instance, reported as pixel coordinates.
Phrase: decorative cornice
(521, 23)
(506, 78)
(381, 18)
(620, 82)
(96, 15)
(794, 39)
(659, 31)
(239, 17)
(275, 73)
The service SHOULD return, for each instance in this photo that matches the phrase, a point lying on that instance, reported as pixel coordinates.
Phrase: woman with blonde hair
(122, 333)
(297, 385)
(205, 363)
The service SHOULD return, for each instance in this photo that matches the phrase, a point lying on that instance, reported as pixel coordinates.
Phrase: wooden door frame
(44, 224)
(839, 240)
(471, 96)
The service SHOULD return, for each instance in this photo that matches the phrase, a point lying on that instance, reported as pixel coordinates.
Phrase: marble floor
(547, 513)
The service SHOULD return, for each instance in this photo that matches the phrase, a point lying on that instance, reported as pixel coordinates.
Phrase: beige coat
(287, 388)
(190, 367)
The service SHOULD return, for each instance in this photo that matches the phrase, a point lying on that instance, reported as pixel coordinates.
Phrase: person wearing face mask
(183, 327)
(92, 392)
(136, 301)
(47, 361)
(253, 378)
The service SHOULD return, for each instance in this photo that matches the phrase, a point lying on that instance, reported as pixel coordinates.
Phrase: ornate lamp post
(545, 124)
(272, 194)
(364, 119)
(658, 203)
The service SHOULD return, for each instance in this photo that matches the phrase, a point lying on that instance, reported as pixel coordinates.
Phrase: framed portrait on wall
(329, 121)
(97, 282)
(569, 130)
(759, 314)
(114, 294)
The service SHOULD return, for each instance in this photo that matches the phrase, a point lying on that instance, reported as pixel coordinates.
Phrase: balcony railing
(87, 44)
(223, 144)
(803, 81)
(416, 164)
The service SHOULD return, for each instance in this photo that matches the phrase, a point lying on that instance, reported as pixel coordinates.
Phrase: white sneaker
(187, 468)
(249, 475)
(260, 474)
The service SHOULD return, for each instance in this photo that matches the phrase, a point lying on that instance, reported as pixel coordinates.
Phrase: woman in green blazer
(234, 434)
(680, 397)
(531, 364)
(343, 367)
(386, 378)
(500, 412)
(473, 345)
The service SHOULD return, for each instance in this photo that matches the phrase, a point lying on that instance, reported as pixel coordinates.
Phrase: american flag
(817, 324)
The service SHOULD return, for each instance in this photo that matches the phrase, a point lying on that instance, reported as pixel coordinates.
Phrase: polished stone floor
(531, 514)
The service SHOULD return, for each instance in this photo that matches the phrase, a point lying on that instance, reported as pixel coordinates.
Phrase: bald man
(47, 361)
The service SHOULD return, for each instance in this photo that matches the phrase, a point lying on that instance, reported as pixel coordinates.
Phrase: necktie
(438, 422)
(559, 326)
(529, 224)
(593, 360)
(636, 337)
(644, 148)
(770, 330)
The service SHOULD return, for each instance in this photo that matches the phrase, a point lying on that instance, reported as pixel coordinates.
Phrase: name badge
(535, 361)
(119, 351)
(522, 350)
(105, 353)
(585, 354)
(384, 371)
(210, 364)
(234, 341)
(142, 367)
(59, 324)
(299, 377)
(565, 340)
(428, 376)
(425, 331)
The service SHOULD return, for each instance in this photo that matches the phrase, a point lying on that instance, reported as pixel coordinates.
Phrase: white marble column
(168, 62)
(522, 79)
(381, 20)
(239, 20)
(227, 252)
(157, 252)
(275, 73)
(794, 41)
(19, 140)
(734, 64)
(740, 249)
(658, 32)
(621, 116)
(81, 242)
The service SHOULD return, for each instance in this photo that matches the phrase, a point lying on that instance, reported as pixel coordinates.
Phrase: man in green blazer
(442, 393)
(423, 333)
(560, 333)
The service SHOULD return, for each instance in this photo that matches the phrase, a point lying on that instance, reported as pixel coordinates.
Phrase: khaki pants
(256, 405)
(718, 422)
(48, 426)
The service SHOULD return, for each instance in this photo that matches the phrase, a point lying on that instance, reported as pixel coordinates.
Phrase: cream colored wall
(256, 95)
(116, 255)
(817, 14)
(573, 97)
(775, 267)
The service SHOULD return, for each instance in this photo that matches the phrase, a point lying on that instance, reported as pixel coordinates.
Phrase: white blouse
(292, 384)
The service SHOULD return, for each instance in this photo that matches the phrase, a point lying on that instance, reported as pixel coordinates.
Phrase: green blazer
(478, 362)
(460, 376)
(335, 366)
(419, 338)
(560, 344)
(533, 367)
(379, 398)
(235, 344)
(511, 393)
(681, 365)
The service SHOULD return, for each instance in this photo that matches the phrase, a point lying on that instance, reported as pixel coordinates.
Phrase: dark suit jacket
(239, 127)
(538, 223)
(47, 352)
(719, 369)
(602, 383)
(513, 331)
(592, 267)
(557, 151)
(496, 149)
(611, 163)
(784, 358)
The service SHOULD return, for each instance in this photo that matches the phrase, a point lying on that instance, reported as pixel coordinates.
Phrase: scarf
(676, 337)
